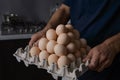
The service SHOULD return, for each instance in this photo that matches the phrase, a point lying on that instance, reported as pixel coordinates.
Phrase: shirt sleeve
(67, 2)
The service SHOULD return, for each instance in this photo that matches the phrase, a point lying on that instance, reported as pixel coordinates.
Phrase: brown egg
(71, 47)
(71, 57)
(34, 51)
(69, 27)
(83, 42)
(51, 34)
(77, 43)
(71, 35)
(83, 52)
(53, 58)
(42, 43)
(62, 61)
(61, 29)
(43, 55)
(88, 48)
(50, 46)
(78, 54)
(60, 50)
(77, 34)
(63, 38)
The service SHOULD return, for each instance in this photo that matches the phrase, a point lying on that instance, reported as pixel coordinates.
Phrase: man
(99, 22)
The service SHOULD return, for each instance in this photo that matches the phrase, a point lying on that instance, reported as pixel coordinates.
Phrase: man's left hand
(100, 57)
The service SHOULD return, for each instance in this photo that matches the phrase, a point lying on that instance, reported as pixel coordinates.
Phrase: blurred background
(19, 19)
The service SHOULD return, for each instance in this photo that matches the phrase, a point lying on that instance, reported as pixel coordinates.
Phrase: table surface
(16, 36)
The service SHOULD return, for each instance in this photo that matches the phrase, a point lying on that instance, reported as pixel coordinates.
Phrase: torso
(95, 19)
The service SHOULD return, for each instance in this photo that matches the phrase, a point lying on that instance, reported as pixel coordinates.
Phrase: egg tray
(72, 72)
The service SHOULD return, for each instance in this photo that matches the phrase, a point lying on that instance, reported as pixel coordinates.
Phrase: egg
(52, 59)
(50, 46)
(78, 54)
(77, 43)
(43, 55)
(71, 35)
(42, 43)
(71, 57)
(61, 29)
(83, 42)
(71, 47)
(83, 52)
(34, 51)
(69, 27)
(62, 61)
(63, 38)
(77, 34)
(60, 50)
(51, 34)
(88, 48)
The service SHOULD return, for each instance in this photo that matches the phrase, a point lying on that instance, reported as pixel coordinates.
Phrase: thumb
(36, 43)
(88, 57)
(34, 38)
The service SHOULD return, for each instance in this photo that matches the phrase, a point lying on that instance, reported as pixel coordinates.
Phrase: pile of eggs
(61, 46)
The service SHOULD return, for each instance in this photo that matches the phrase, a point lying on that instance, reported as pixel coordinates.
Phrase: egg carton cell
(71, 72)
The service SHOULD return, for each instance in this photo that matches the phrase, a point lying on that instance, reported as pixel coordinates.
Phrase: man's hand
(101, 57)
(61, 16)
(35, 37)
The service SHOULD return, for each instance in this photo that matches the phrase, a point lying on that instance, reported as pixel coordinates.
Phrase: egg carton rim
(23, 55)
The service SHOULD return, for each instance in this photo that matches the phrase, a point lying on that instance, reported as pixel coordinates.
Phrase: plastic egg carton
(72, 72)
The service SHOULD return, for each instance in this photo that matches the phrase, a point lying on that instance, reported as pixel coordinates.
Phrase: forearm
(114, 42)
(61, 16)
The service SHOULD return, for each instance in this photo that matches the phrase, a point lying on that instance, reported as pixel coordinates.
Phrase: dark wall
(34, 10)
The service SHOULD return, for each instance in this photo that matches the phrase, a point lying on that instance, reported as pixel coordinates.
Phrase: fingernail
(84, 60)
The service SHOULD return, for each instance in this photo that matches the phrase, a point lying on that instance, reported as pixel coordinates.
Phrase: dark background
(10, 69)
(34, 11)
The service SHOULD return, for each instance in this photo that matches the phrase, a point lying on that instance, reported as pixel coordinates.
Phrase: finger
(31, 43)
(105, 65)
(102, 60)
(34, 38)
(94, 61)
(88, 57)
(36, 43)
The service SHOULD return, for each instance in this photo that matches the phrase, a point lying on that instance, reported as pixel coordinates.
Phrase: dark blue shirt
(96, 20)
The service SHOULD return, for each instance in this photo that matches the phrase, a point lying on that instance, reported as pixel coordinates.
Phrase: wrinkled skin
(101, 57)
